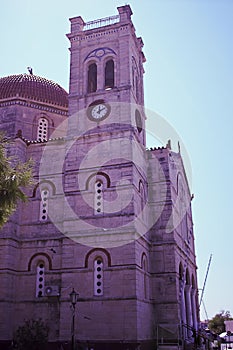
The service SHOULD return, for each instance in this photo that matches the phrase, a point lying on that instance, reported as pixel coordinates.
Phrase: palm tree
(14, 176)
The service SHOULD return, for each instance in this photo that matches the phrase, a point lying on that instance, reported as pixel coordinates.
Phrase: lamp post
(73, 300)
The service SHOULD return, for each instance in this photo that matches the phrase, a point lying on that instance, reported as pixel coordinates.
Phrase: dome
(33, 87)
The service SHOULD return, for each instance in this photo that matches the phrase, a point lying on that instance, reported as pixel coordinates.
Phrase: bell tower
(105, 180)
(107, 68)
(107, 118)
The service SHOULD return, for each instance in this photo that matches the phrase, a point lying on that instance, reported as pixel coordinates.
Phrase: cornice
(33, 104)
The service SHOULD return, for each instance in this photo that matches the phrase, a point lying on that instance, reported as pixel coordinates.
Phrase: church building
(106, 217)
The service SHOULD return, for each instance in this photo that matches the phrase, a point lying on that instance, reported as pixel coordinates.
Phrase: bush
(33, 335)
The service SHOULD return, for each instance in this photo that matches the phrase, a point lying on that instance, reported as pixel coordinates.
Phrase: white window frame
(98, 277)
(98, 198)
(44, 204)
(42, 129)
(40, 279)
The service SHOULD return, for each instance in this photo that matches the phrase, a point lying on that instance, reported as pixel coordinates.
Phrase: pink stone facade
(99, 197)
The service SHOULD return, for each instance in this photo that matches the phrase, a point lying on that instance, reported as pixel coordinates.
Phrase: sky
(188, 80)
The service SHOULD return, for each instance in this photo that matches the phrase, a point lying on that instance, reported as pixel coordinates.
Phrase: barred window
(42, 129)
(40, 280)
(98, 197)
(44, 204)
(98, 277)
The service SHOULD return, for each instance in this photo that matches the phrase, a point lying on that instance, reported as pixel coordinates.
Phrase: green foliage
(14, 176)
(216, 324)
(33, 335)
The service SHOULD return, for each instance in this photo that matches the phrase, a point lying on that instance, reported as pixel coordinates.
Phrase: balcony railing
(102, 22)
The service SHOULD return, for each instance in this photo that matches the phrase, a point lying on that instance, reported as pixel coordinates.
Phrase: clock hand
(102, 109)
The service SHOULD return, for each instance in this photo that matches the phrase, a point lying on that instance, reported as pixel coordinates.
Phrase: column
(194, 307)
(188, 306)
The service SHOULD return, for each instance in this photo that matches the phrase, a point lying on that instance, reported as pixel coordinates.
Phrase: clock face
(99, 112)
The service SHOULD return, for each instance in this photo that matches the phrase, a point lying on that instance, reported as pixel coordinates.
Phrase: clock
(98, 112)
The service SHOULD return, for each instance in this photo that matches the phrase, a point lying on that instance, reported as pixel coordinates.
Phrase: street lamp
(73, 300)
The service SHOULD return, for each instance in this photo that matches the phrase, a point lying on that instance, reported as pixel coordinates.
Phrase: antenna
(207, 271)
(206, 315)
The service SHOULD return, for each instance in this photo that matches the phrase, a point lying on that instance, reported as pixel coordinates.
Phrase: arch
(47, 189)
(36, 125)
(92, 77)
(97, 183)
(96, 253)
(96, 102)
(42, 129)
(39, 255)
(144, 262)
(98, 176)
(144, 266)
(109, 74)
(142, 188)
(35, 190)
(138, 121)
(99, 53)
(40, 185)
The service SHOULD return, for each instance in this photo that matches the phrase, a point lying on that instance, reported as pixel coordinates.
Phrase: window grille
(42, 130)
(98, 277)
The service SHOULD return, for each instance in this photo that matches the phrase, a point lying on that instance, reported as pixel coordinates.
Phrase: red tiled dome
(34, 88)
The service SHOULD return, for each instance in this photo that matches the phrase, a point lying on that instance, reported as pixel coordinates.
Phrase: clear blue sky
(188, 79)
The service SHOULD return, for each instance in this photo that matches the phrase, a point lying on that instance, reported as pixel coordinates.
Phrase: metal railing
(182, 337)
(168, 336)
(102, 22)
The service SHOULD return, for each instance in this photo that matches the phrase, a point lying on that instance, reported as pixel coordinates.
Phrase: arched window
(137, 89)
(133, 76)
(40, 279)
(98, 197)
(92, 78)
(98, 276)
(44, 204)
(109, 75)
(145, 269)
(42, 129)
